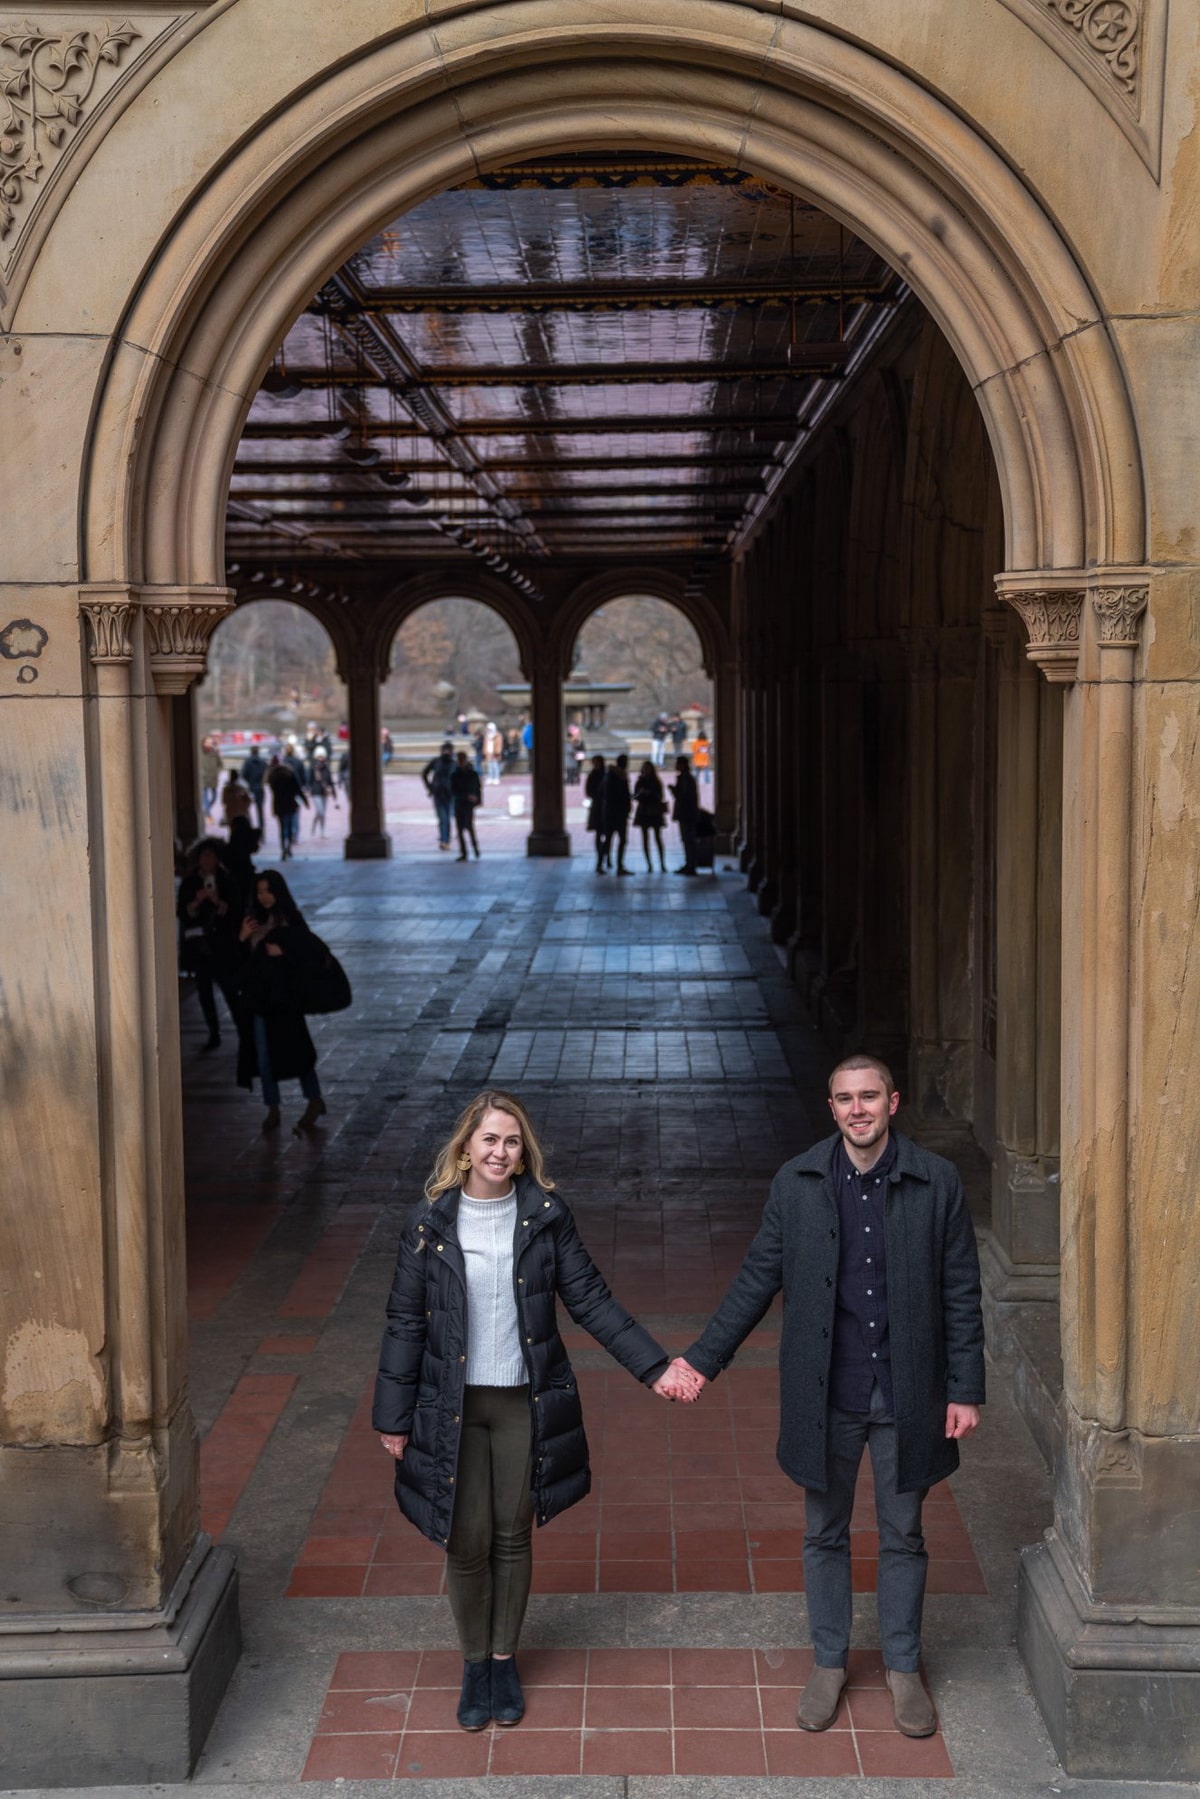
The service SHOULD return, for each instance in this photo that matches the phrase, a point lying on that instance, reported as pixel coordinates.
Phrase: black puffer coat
(423, 1362)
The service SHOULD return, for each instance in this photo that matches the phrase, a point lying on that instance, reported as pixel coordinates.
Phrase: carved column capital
(1119, 614)
(109, 616)
(1051, 616)
(179, 623)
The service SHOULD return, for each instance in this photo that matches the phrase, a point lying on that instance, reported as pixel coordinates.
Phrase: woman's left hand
(394, 1445)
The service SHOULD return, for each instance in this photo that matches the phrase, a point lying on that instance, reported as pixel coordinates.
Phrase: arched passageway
(889, 732)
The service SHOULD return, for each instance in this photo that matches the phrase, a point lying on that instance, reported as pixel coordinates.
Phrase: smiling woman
(476, 1398)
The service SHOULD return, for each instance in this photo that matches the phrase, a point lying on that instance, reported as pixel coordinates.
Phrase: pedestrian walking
(476, 1399)
(658, 740)
(702, 758)
(287, 797)
(617, 808)
(386, 746)
(594, 794)
(210, 776)
(438, 778)
(273, 1038)
(493, 750)
(322, 787)
(254, 774)
(649, 813)
(467, 794)
(244, 838)
(207, 909)
(686, 811)
(869, 1240)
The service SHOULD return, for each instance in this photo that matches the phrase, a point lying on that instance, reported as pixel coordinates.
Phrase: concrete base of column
(548, 843)
(1120, 1695)
(128, 1700)
(368, 846)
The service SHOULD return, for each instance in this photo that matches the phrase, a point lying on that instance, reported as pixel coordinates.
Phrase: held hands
(394, 1445)
(680, 1381)
(961, 1420)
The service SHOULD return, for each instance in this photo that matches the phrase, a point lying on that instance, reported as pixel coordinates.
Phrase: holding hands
(680, 1381)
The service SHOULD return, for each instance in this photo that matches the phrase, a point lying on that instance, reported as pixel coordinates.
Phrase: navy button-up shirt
(861, 1355)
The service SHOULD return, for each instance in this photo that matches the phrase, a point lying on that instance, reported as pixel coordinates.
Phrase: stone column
(1109, 1604)
(368, 840)
(185, 768)
(549, 835)
(1020, 1253)
(120, 1619)
(727, 737)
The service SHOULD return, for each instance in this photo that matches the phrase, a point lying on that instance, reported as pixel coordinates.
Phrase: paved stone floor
(650, 1029)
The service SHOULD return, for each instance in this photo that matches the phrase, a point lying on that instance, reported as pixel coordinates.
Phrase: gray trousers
(490, 1553)
(900, 1590)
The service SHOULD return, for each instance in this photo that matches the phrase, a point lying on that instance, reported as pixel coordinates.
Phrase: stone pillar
(120, 1619)
(549, 835)
(1109, 1604)
(368, 840)
(1020, 1254)
(727, 739)
(883, 927)
(185, 768)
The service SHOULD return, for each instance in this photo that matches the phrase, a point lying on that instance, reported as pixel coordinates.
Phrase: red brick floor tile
(552, 1708)
(361, 1713)
(783, 1667)
(864, 1668)
(712, 1577)
(717, 1752)
(629, 1668)
(863, 1576)
(628, 1708)
(636, 1577)
(776, 1545)
(955, 1577)
(433, 1708)
(616, 1516)
(535, 1751)
(553, 1667)
(713, 1667)
(885, 1753)
(351, 1758)
(717, 1708)
(441, 1668)
(777, 1577)
(814, 1755)
(395, 1580)
(378, 1670)
(439, 1754)
(566, 1577)
(326, 1583)
(721, 1515)
(629, 1546)
(287, 1346)
(870, 1708)
(627, 1752)
(719, 1545)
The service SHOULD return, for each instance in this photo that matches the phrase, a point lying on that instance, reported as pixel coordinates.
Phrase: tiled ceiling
(593, 354)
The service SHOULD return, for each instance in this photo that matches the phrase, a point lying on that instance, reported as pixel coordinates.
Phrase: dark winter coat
(593, 788)
(464, 785)
(270, 988)
(615, 799)
(287, 790)
(208, 936)
(687, 799)
(935, 1322)
(423, 1362)
(650, 804)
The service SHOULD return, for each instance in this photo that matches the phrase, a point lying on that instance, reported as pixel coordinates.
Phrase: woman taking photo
(650, 811)
(475, 1396)
(274, 1041)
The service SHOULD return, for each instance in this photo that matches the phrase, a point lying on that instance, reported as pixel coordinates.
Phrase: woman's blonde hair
(446, 1171)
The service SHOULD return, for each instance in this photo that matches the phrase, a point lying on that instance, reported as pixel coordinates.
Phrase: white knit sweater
(485, 1235)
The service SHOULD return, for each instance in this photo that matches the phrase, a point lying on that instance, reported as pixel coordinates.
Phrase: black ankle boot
(474, 1702)
(508, 1701)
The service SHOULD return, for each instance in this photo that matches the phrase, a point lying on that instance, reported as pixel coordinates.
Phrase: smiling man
(869, 1238)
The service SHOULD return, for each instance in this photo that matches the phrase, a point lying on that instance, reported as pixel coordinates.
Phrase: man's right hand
(680, 1381)
(393, 1445)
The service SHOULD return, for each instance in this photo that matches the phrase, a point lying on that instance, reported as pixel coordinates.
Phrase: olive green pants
(490, 1553)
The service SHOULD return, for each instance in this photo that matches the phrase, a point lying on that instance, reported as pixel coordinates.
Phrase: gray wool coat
(935, 1319)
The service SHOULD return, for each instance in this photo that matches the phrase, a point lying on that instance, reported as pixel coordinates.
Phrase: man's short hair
(864, 1061)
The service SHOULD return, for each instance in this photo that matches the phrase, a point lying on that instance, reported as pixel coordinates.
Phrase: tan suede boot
(820, 1699)
(911, 1704)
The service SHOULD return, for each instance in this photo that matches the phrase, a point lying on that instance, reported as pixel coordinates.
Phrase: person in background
(321, 786)
(702, 758)
(287, 797)
(616, 815)
(658, 740)
(210, 775)
(438, 777)
(274, 1043)
(475, 1398)
(464, 785)
(686, 811)
(527, 738)
(254, 774)
(649, 814)
(594, 792)
(493, 749)
(207, 909)
(679, 733)
(386, 747)
(244, 838)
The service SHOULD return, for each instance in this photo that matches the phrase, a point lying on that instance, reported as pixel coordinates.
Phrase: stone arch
(621, 583)
(826, 119)
(327, 614)
(470, 584)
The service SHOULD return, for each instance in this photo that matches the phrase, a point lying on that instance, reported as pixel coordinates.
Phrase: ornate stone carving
(177, 633)
(1116, 1458)
(44, 93)
(1051, 620)
(1119, 611)
(1112, 31)
(1118, 49)
(110, 625)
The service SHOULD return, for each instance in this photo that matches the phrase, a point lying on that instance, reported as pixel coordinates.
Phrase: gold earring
(464, 1162)
(520, 1168)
